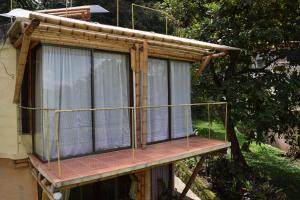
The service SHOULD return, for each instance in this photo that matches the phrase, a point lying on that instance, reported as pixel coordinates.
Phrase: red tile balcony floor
(102, 166)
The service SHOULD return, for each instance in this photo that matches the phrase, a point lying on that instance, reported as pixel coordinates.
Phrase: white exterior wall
(11, 145)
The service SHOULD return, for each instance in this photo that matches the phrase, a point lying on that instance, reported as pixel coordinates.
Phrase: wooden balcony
(80, 170)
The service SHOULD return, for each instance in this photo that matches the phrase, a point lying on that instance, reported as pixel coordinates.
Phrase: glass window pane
(180, 94)
(157, 95)
(111, 89)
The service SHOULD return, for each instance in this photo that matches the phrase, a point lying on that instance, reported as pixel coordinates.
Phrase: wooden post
(141, 185)
(144, 65)
(192, 178)
(25, 42)
(138, 94)
(148, 184)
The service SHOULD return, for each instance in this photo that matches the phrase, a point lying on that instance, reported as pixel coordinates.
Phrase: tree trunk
(236, 151)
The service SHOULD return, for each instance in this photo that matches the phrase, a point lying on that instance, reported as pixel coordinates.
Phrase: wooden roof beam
(25, 45)
(111, 36)
(206, 60)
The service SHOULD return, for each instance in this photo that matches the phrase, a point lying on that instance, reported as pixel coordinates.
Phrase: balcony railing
(187, 113)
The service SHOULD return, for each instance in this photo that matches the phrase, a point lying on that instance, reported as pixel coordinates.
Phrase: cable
(12, 76)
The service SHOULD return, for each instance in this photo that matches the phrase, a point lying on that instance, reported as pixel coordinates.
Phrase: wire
(12, 76)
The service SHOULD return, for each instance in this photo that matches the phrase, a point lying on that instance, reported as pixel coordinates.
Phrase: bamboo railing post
(144, 66)
(132, 16)
(187, 126)
(46, 120)
(209, 120)
(56, 115)
(166, 25)
(132, 133)
(226, 122)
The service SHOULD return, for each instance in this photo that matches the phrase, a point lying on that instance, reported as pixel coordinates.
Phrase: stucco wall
(10, 141)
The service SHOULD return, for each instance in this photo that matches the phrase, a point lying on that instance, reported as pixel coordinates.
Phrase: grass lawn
(284, 172)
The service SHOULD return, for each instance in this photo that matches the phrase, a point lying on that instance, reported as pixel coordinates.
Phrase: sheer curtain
(180, 94)
(63, 80)
(111, 89)
(157, 95)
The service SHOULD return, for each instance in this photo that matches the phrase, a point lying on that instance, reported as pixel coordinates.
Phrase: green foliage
(284, 172)
(231, 182)
(261, 97)
(198, 187)
(264, 159)
(144, 19)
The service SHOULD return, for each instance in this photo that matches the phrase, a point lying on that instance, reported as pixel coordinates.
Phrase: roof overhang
(71, 32)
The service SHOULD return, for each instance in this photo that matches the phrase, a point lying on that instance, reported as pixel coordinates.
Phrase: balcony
(105, 165)
(81, 169)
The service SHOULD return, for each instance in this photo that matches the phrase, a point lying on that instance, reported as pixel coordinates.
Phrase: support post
(138, 94)
(192, 178)
(148, 184)
(144, 66)
(24, 40)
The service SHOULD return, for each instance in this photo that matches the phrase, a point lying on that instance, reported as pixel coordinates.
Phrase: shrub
(232, 182)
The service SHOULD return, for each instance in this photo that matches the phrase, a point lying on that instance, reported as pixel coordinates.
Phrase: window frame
(130, 94)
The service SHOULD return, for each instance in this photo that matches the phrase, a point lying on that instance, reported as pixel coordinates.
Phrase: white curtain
(111, 89)
(157, 95)
(180, 94)
(63, 81)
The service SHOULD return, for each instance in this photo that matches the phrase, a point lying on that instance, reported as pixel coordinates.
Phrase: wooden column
(141, 185)
(137, 93)
(144, 66)
(148, 184)
(24, 40)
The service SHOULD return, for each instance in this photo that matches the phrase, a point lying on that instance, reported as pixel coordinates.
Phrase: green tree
(261, 96)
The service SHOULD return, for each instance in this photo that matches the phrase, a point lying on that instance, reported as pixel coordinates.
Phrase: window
(168, 83)
(158, 128)
(180, 85)
(111, 89)
(68, 78)
(63, 81)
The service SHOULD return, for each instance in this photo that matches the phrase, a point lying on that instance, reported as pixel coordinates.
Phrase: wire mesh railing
(63, 133)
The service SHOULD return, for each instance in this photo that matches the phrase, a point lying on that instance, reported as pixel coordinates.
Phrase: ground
(284, 172)
(179, 186)
(16, 183)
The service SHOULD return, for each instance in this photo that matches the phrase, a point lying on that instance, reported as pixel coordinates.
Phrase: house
(99, 110)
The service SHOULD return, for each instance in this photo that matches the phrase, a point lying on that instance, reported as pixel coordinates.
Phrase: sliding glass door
(168, 83)
(158, 128)
(111, 89)
(180, 85)
(68, 78)
(63, 81)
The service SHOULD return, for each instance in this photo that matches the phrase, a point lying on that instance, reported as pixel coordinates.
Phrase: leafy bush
(232, 182)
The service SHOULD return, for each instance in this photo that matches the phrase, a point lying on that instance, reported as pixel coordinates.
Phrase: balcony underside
(80, 170)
